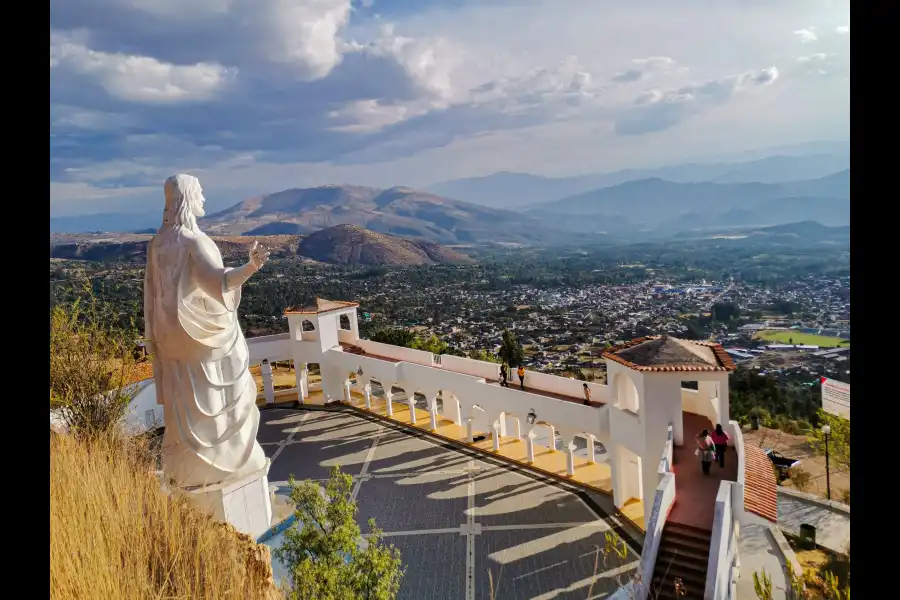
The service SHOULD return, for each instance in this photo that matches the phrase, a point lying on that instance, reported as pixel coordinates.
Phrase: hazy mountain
(514, 190)
(397, 211)
(355, 245)
(120, 222)
(666, 205)
(517, 190)
(799, 233)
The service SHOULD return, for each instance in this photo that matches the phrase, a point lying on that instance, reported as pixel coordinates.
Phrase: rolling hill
(353, 245)
(397, 211)
(343, 244)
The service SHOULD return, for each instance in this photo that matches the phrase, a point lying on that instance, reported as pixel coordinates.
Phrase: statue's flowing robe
(200, 362)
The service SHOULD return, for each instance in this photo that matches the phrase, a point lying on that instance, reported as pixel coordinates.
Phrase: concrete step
(687, 531)
(675, 561)
(687, 544)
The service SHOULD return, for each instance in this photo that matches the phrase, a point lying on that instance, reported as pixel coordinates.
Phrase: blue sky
(254, 96)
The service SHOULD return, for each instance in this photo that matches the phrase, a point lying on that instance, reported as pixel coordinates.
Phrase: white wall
(693, 401)
(272, 347)
(723, 546)
(397, 352)
(476, 368)
(566, 386)
(327, 326)
(144, 400)
(663, 501)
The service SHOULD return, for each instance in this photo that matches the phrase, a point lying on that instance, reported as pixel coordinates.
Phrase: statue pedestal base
(246, 504)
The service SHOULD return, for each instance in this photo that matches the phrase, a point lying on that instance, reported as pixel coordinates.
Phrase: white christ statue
(200, 357)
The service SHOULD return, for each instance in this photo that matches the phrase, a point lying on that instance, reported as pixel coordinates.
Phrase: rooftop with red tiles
(668, 354)
(322, 305)
(760, 487)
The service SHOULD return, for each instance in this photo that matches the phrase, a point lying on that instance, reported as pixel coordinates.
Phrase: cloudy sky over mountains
(254, 96)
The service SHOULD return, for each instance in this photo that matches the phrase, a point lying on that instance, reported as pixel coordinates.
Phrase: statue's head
(184, 201)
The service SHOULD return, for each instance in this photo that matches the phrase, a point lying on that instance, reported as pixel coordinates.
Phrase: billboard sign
(836, 397)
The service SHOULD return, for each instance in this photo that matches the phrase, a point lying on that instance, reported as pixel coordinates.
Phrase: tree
(482, 354)
(432, 344)
(511, 351)
(838, 439)
(92, 367)
(725, 311)
(394, 336)
(323, 551)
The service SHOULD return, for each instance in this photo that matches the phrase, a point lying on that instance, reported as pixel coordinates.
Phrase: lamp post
(826, 431)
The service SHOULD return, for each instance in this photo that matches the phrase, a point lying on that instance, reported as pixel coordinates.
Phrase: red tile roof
(723, 361)
(321, 306)
(760, 487)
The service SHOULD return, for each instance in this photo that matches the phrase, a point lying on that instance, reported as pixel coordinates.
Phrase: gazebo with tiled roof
(664, 354)
(645, 378)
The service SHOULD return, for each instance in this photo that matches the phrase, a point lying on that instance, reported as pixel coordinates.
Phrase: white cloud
(139, 78)
(806, 35)
(368, 116)
(302, 34)
(842, 30)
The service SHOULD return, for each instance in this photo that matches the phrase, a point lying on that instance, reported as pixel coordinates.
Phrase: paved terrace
(455, 515)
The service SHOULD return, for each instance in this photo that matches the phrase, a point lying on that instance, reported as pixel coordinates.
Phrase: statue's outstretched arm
(214, 279)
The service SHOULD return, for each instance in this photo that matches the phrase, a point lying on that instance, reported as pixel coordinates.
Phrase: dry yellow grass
(114, 534)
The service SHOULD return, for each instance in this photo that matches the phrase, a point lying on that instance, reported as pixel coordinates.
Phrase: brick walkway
(695, 493)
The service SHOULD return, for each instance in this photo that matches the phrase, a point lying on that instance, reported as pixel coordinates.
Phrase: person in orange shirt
(521, 374)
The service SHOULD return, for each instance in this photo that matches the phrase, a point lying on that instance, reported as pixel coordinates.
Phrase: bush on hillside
(92, 365)
(114, 534)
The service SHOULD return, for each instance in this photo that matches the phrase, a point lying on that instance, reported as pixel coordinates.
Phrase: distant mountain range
(396, 211)
(343, 244)
(515, 190)
(627, 205)
(669, 207)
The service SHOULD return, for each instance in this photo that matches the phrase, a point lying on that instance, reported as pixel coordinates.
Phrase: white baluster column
(388, 402)
(368, 393)
(518, 428)
(570, 459)
(412, 409)
(432, 412)
(529, 446)
(496, 436)
(469, 436)
(268, 385)
(592, 456)
(348, 397)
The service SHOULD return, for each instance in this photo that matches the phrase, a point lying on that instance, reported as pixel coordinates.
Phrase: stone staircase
(683, 554)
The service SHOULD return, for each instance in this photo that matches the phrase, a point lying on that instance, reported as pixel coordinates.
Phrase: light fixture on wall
(359, 371)
(531, 418)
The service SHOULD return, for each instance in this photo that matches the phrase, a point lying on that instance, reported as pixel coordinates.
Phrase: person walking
(706, 450)
(521, 374)
(720, 439)
(587, 394)
(503, 372)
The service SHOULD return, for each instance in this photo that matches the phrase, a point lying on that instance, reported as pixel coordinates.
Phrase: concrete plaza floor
(455, 515)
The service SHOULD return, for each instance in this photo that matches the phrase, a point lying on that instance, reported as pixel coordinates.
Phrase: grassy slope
(115, 535)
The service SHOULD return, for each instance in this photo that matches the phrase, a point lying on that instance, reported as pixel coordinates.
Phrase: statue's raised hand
(258, 255)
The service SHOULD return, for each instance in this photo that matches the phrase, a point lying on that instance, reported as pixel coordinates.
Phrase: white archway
(627, 397)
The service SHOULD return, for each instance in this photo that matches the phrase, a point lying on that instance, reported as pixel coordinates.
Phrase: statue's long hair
(181, 190)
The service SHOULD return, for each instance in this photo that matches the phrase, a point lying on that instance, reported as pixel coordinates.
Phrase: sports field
(784, 336)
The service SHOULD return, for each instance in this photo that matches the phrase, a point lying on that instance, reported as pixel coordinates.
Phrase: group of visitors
(711, 447)
(520, 372)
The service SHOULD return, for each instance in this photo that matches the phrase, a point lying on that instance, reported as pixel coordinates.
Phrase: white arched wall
(626, 393)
